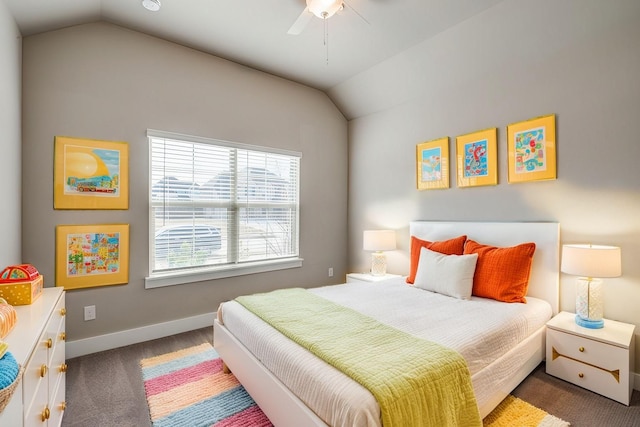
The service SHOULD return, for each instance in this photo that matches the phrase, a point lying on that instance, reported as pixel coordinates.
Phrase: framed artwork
(92, 255)
(432, 164)
(477, 158)
(532, 149)
(90, 174)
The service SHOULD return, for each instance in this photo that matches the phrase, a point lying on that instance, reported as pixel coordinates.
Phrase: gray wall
(10, 191)
(101, 81)
(577, 59)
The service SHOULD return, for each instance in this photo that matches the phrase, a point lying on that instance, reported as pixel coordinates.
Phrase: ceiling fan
(323, 9)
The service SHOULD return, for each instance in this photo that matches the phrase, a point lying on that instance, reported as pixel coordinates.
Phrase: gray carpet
(105, 389)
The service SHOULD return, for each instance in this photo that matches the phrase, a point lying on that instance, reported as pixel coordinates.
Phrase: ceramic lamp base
(378, 264)
(591, 324)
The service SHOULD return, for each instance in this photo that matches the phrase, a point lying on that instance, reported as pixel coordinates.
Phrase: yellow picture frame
(92, 255)
(477, 158)
(532, 149)
(432, 164)
(90, 174)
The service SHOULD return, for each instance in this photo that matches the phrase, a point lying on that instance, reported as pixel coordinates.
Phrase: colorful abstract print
(530, 155)
(475, 159)
(93, 253)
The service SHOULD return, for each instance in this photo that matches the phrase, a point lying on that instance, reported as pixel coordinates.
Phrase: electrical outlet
(330, 271)
(89, 312)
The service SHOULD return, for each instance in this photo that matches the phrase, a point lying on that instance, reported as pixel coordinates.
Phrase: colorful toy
(20, 284)
(8, 319)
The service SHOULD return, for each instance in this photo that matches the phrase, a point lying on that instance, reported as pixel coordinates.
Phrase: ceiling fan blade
(356, 12)
(301, 22)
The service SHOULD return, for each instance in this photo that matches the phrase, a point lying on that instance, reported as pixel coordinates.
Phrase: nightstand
(366, 277)
(600, 360)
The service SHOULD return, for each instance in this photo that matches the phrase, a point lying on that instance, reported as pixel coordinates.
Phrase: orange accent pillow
(453, 246)
(501, 273)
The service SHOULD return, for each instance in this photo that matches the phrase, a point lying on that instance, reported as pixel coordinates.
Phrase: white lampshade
(379, 240)
(591, 260)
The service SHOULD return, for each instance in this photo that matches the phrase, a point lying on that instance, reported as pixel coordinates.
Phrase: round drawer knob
(63, 406)
(45, 414)
(63, 367)
(63, 336)
(581, 349)
(63, 311)
(49, 343)
(43, 371)
(581, 375)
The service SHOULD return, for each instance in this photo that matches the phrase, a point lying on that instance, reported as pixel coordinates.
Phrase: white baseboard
(134, 336)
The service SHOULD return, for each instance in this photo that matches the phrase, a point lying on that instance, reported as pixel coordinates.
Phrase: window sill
(171, 279)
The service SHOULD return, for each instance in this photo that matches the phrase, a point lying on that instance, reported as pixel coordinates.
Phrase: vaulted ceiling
(254, 32)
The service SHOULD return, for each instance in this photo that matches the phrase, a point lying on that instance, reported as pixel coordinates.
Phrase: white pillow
(450, 275)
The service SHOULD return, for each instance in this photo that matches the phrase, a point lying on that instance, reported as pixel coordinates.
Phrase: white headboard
(545, 271)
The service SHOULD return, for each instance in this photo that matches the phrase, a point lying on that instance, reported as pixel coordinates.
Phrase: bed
(294, 388)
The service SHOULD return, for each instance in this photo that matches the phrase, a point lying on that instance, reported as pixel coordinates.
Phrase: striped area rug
(187, 388)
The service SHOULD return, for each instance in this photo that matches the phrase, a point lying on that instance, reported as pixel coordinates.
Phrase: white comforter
(481, 330)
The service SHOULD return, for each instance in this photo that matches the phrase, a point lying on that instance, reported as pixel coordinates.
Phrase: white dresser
(38, 344)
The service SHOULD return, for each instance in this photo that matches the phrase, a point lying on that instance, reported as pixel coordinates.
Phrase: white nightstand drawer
(591, 352)
(589, 377)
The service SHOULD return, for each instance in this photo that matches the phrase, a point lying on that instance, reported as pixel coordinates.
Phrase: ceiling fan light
(324, 9)
(152, 5)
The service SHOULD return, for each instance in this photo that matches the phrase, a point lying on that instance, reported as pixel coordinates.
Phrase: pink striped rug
(187, 388)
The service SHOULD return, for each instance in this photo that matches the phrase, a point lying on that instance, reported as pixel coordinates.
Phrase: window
(219, 209)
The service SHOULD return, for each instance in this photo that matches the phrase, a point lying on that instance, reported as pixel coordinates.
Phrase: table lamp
(591, 262)
(378, 241)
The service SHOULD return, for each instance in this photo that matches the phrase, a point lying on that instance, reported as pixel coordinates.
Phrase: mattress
(481, 330)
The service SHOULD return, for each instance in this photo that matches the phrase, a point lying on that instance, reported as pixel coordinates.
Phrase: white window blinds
(218, 205)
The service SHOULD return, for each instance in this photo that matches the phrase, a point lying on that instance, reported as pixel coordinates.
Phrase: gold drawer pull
(63, 311)
(63, 367)
(581, 349)
(43, 371)
(63, 406)
(49, 343)
(46, 414)
(63, 336)
(581, 375)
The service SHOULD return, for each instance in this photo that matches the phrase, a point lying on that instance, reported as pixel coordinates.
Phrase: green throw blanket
(416, 382)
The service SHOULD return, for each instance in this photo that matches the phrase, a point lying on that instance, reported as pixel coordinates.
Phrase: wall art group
(531, 156)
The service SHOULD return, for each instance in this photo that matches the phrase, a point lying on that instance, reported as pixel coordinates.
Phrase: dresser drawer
(57, 403)
(35, 415)
(596, 366)
(56, 327)
(56, 333)
(35, 373)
